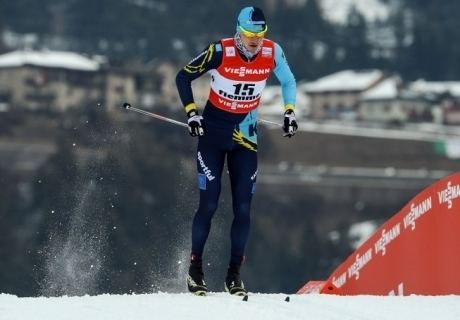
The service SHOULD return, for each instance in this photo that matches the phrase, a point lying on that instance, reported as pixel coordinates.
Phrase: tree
(353, 40)
(433, 53)
(17, 16)
(307, 39)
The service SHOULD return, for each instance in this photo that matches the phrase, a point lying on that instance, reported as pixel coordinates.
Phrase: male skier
(239, 68)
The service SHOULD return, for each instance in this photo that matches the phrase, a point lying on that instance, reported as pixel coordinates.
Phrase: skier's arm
(208, 59)
(286, 78)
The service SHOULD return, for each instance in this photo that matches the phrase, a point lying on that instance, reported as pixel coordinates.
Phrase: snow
(337, 11)
(438, 87)
(411, 133)
(346, 80)
(452, 147)
(387, 89)
(272, 103)
(50, 59)
(224, 306)
(361, 231)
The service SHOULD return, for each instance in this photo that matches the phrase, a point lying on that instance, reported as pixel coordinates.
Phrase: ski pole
(128, 106)
(270, 122)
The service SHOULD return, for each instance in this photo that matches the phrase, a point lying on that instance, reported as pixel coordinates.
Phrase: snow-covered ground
(222, 306)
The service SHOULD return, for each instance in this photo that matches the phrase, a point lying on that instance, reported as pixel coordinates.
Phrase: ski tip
(126, 105)
(287, 299)
(245, 298)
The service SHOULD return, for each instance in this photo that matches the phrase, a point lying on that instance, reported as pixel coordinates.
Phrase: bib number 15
(244, 89)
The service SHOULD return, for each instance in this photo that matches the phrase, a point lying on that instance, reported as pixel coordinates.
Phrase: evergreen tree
(308, 40)
(25, 16)
(353, 40)
(435, 49)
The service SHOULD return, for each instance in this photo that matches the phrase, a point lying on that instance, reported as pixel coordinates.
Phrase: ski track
(223, 306)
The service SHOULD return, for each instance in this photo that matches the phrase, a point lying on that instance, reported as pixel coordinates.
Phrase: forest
(418, 39)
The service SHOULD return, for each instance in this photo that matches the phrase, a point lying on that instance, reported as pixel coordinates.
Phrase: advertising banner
(417, 251)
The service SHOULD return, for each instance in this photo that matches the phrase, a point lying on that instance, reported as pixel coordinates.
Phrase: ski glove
(290, 124)
(195, 124)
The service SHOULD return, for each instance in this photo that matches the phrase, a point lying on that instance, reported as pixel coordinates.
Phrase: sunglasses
(250, 34)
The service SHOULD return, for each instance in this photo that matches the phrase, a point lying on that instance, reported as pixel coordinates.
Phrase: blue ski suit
(231, 136)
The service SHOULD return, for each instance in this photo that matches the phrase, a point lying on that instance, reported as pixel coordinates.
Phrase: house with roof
(446, 95)
(337, 95)
(392, 102)
(58, 80)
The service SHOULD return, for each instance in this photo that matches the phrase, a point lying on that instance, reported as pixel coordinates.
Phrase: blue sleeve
(285, 76)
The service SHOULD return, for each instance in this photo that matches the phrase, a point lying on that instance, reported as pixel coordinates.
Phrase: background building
(337, 95)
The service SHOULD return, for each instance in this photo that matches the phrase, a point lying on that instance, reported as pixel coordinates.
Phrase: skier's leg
(242, 167)
(210, 161)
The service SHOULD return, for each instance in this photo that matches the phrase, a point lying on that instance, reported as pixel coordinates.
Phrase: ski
(243, 297)
(246, 298)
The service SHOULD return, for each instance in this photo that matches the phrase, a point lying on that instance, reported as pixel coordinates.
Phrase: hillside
(327, 35)
(315, 148)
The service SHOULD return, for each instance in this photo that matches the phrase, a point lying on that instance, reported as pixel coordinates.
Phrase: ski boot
(195, 279)
(233, 283)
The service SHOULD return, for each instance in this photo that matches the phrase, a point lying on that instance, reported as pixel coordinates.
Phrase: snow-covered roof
(347, 80)
(438, 87)
(387, 89)
(50, 59)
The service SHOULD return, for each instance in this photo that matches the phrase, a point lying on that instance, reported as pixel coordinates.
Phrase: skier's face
(252, 43)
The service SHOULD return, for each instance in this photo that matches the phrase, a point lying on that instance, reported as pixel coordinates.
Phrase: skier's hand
(195, 124)
(290, 124)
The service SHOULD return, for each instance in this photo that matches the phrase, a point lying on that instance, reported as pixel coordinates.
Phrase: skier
(239, 68)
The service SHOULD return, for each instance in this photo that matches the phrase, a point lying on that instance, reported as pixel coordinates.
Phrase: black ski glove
(290, 124)
(195, 124)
